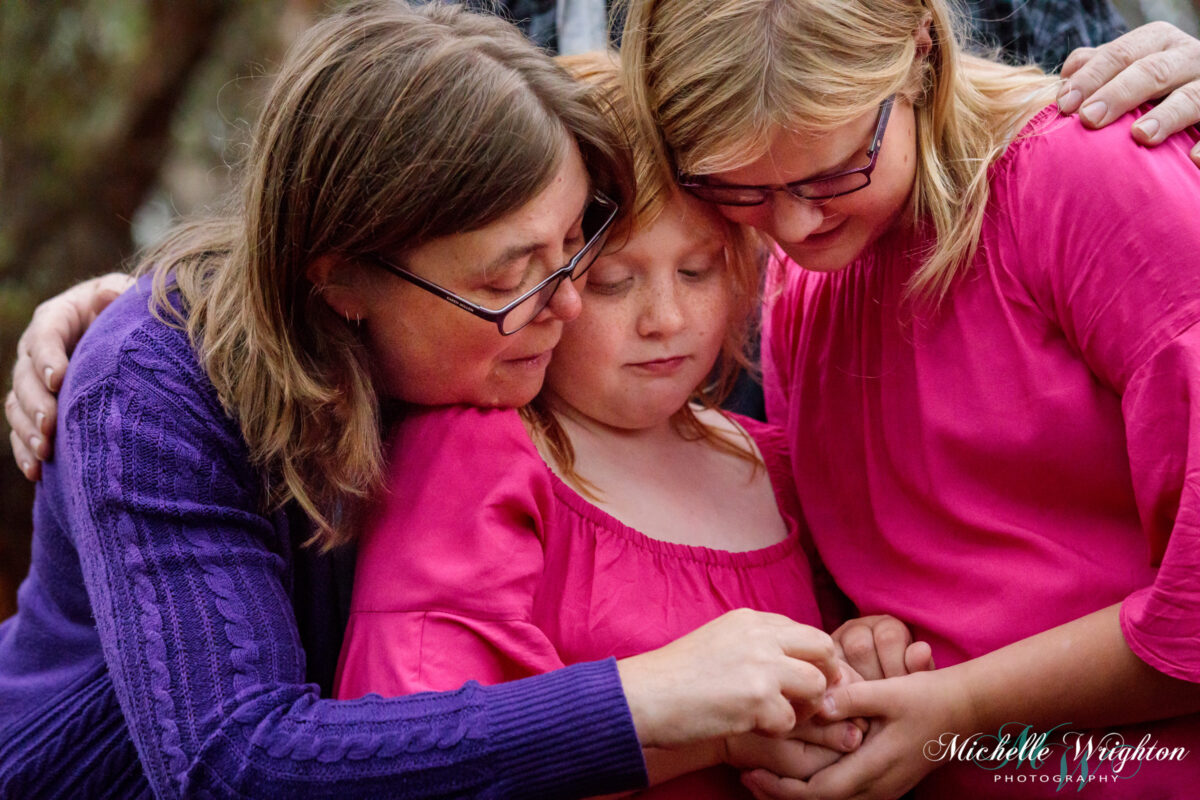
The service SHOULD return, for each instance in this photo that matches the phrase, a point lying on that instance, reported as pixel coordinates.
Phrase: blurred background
(117, 116)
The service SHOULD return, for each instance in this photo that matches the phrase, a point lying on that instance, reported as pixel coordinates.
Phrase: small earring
(357, 319)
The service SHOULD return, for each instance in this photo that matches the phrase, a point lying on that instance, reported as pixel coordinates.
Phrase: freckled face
(830, 236)
(431, 352)
(654, 317)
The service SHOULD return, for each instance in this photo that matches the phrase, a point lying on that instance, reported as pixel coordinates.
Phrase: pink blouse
(483, 565)
(1023, 456)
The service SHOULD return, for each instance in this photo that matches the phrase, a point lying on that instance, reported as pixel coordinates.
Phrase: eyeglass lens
(594, 219)
(834, 186)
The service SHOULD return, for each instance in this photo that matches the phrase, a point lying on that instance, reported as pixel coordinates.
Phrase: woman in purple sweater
(228, 409)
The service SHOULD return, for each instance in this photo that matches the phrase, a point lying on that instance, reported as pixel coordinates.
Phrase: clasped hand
(883, 693)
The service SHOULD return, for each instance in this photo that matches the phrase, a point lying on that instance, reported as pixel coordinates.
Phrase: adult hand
(42, 352)
(880, 646)
(808, 747)
(744, 671)
(1152, 61)
(905, 713)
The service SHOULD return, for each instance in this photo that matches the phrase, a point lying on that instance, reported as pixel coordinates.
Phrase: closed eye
(609, 288)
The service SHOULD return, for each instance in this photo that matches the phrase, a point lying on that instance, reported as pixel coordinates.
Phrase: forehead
(683, 225)
(542, 222)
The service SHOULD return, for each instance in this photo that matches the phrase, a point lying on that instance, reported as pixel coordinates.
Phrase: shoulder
(456, 465)
(467, 502)
(460, 432)
(131, 350)
(1056, 156)
(771, 439)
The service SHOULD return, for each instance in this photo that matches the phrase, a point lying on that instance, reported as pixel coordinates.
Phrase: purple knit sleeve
(188, 582)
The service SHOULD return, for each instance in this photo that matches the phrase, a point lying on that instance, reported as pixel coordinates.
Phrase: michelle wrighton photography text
(1060, 755)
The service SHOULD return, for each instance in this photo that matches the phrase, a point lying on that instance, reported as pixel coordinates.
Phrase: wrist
(964, 705)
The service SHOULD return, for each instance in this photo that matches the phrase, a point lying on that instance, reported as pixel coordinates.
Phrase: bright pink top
(483, 565)
(1017, 459)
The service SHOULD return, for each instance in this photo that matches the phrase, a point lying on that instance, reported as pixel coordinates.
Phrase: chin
(512, 398)
(818, 260)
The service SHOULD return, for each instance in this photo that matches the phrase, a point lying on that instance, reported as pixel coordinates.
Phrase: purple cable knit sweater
(156, 649)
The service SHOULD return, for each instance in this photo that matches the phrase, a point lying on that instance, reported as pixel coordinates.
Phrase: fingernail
(1148, 128)
(829, 705)
(1094, 112)
(1068, 100)
(49, 376)
(35, 444)
(25, 467)
(39, 418)
(853, 737)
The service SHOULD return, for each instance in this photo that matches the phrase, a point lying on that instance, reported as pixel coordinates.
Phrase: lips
(660, 366)
(817, 234)
(535, 361)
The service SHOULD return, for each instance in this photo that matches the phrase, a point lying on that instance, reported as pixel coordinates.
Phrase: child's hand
(881, 646)
(906, 713)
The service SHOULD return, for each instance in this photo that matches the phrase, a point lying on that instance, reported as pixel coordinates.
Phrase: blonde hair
(387, 126)
(711, 81)
(654, 190)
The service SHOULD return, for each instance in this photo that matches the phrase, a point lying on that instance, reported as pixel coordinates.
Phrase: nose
(789, 219)
(661, 314)
(566, 303)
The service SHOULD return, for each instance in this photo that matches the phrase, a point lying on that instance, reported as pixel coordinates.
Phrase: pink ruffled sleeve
(449, 566)
(1117, 264)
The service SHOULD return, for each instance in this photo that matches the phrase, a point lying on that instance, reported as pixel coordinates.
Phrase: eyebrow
(516, 251)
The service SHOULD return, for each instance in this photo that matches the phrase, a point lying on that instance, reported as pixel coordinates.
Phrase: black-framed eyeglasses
(817, 190)
(597, 219)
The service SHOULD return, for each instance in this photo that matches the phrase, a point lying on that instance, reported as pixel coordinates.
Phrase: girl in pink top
(982, 343)
(618, 512)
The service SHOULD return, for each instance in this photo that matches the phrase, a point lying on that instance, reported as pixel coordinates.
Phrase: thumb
(918, 657)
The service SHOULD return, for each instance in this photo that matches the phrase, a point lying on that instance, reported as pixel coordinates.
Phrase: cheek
(431, 357)
(716, 317)
(586, 349)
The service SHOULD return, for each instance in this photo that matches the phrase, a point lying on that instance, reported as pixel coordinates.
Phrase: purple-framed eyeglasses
(819, 189)
(597, 219)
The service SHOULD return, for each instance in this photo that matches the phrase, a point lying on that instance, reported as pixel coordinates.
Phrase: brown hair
(387, 126)
(711, 81)
(655, 188)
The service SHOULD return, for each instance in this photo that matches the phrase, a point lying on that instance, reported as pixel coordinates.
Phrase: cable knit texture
(156, 650)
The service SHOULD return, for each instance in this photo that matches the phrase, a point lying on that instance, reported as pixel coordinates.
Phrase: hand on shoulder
(1154, 61)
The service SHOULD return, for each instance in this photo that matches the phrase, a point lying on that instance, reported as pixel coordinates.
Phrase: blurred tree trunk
(92, 93)
(73, 222)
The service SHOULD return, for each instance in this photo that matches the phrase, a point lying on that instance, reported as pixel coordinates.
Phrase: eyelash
(569, 246)
(613, 288)
(506, 290)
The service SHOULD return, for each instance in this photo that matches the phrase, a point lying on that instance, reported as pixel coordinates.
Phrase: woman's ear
(339, 284)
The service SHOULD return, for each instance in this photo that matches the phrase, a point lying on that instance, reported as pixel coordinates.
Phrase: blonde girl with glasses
(616, 512)
(987, 362)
